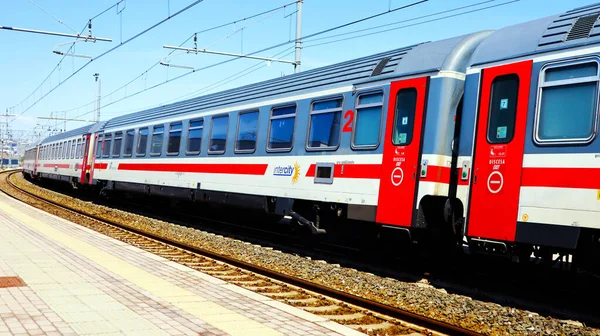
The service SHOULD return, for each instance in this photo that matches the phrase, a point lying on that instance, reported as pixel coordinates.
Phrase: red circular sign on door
(397, 176)
(495, 182)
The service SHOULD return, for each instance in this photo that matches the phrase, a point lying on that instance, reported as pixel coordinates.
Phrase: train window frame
(129, 139)
(312, 112)
(116, 148)
(78, 149)
(171, 131)
(543, 83)
(210, 137)
(271, 118)
(106, 149)
(139, 139)
(353, 145)
(488, 129)
(237, 132)
(187, 139)
(411, 125)
(162, 142)
(68, 151)
(73, 149)
(99, 145)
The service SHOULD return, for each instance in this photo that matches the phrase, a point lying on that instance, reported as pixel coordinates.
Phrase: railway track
(359, 313)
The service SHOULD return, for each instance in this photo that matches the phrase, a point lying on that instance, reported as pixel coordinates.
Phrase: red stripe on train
(228, 168)
(366, 171)
(100, 165)
(581, 178)
(58, 165)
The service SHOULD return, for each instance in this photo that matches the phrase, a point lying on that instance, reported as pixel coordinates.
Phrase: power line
(258, 51)
(403, 21)
(411, 25)
(109, 51)
(50, 14)
(58, 65)
(272, 10)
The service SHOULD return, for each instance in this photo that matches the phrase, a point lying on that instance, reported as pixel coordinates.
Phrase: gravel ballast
(484, 317)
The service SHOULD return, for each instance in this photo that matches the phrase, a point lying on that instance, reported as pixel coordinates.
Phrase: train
(487, 140)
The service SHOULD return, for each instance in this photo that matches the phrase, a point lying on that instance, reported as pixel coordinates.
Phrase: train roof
(68, 134)
(577, 27)
(414, 59)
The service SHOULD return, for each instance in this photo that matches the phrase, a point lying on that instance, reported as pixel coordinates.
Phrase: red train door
(499, 146)
(401, 152)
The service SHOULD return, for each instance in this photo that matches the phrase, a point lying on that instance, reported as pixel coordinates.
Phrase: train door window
(367, 127)
(174, 139)
(324, 128)
(142, 141)
(156, 143)
(78, 149)
(129, 135)
(99, 145)
(194, 140)
(117, 145)
(107, 142)
(568, 103)
(83, 147)
(218, 134)
(281, 128)
(503, 109)
(246, 132)
(404, 116)
(73, 147)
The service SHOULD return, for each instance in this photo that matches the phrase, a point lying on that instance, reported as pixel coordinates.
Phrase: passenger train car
(489, 137)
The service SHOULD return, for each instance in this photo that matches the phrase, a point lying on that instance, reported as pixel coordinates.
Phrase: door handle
(474, 179)
(414, 176)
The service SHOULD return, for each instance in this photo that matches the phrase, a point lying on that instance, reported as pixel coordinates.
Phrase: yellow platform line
(220, 317)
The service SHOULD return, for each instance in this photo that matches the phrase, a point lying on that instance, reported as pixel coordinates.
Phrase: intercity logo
(283, 170)
(289, 170)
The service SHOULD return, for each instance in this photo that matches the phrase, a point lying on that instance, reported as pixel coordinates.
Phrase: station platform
(60, 278)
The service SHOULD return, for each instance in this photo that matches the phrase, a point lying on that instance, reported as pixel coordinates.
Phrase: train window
(118, 143)
(281, 128)
(404, 116)
(503, 109)
(247, 132)
(129, 135)
(174, 139)
(99, 145)
(142, 141)
(324, 129)
(68, 150)
(156, 143)
(78, 149)
(106, 147)
(572, 88)
(194, 139)
(218, 135)
(83, 147)
(367, 126)
(73, 146)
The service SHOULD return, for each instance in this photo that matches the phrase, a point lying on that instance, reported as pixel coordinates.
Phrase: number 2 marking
(350, 118)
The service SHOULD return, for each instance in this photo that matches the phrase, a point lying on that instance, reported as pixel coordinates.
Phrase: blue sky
(27, 58)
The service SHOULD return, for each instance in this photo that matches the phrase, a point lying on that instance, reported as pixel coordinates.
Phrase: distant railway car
(530, 134)
(490, 136)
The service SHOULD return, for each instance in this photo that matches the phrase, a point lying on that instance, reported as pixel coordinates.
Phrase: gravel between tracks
(484, 317)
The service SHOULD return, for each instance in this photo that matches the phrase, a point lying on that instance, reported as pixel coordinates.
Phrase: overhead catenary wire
(58, 65)
(109, 51)
(322, 32)
(53, 16)
(410, 25)
(144, 73)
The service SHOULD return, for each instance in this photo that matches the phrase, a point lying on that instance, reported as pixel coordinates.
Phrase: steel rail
(422, 321)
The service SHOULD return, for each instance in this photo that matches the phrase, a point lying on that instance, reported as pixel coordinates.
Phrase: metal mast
(298, 35)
